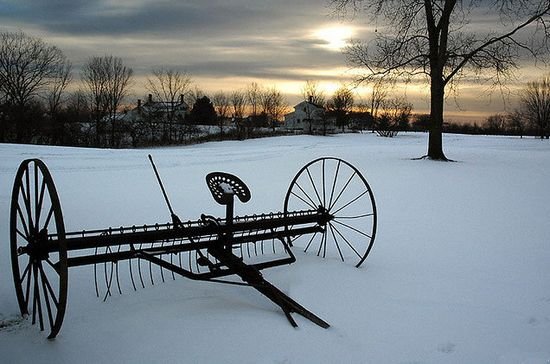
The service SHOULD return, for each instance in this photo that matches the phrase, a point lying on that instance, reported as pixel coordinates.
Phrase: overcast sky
(223, 44)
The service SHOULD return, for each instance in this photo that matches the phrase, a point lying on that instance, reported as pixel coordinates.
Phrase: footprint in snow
(446, 348)
(10, 323)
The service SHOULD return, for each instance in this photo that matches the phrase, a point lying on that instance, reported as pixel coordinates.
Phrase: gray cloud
(212, 40)
(221, 38)
(193, 17)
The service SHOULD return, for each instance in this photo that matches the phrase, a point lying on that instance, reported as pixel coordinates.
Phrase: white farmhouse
(173, 111)
(308, 117)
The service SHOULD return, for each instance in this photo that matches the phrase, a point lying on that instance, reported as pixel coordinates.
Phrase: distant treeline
(38, 106)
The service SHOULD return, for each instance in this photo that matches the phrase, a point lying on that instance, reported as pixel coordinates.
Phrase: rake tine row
(109, 271)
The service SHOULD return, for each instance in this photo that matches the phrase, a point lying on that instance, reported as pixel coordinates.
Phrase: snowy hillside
(459, 272)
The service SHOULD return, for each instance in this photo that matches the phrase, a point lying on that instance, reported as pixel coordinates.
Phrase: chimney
(181, 98)
(311, 99)
(150, 98)
(139, 103)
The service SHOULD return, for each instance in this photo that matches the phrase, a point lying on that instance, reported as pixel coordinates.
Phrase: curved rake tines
(109, 271)
(40, 276)
(142, 272)
(338, 187)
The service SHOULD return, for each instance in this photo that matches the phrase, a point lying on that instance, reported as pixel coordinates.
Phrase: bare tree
(515, 121)
(254, 97)
(95, 82)
(28, 66)
(77, 116)
(535, 103)
(380, 91)
(238, 104)
(432, 38)
(169, 86)
(78, 107)
(54, 100)
(313, 93)
(341, 105)
(60, 80)
(496, 124)
(107, 80)
(274, 105)
(222, 105)
(395, 115)
(362, 117)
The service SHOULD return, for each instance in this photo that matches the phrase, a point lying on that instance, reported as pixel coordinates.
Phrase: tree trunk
(435, 140)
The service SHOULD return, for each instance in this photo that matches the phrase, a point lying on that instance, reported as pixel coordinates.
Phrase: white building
(308, 117)
(159, 110)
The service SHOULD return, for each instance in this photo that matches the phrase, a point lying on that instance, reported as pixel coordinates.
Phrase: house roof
(308, 103)
(166, 105)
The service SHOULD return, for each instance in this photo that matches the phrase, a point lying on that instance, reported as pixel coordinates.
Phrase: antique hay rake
(329, 210)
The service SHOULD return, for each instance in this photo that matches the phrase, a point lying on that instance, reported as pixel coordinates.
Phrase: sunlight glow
(335, 38)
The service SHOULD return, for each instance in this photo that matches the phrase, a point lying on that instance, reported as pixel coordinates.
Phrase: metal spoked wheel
(38, 246)
(338, 188)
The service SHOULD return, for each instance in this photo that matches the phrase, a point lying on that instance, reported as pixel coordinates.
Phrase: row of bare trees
(37, 104)
(531, 117)
(383, 111)
(34, 77)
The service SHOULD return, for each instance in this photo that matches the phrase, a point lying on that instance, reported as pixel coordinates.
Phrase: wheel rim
(338, 188)
(36, 221)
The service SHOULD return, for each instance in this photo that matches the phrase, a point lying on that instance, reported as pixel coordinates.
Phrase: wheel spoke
(51, 264)
(20, 213)
(305, 194)
(310, 241)
(342, 191)
(28, 198)
(36, 210)
(325, 243)
(324, 188)
(26, 271)
(26, 202)
(304, 201)
(50, 213)
(47, 284)
(336, 242)
(350, 202)
(40, 202)
(45, 287)
(352, 228)
(26, 296)
(347, 241)
(354, 217)
(334, 182)
(36, 298)
(314, 187)
(322, 244)
(22, 235)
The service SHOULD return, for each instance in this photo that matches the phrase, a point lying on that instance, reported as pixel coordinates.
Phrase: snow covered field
(459, 273)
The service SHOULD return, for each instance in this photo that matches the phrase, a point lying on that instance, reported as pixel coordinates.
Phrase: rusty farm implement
(329, 210)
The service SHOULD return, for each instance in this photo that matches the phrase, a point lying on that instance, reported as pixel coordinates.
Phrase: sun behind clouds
(334, 37)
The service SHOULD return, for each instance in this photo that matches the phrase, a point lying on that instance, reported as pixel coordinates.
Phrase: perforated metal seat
(222, 185)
